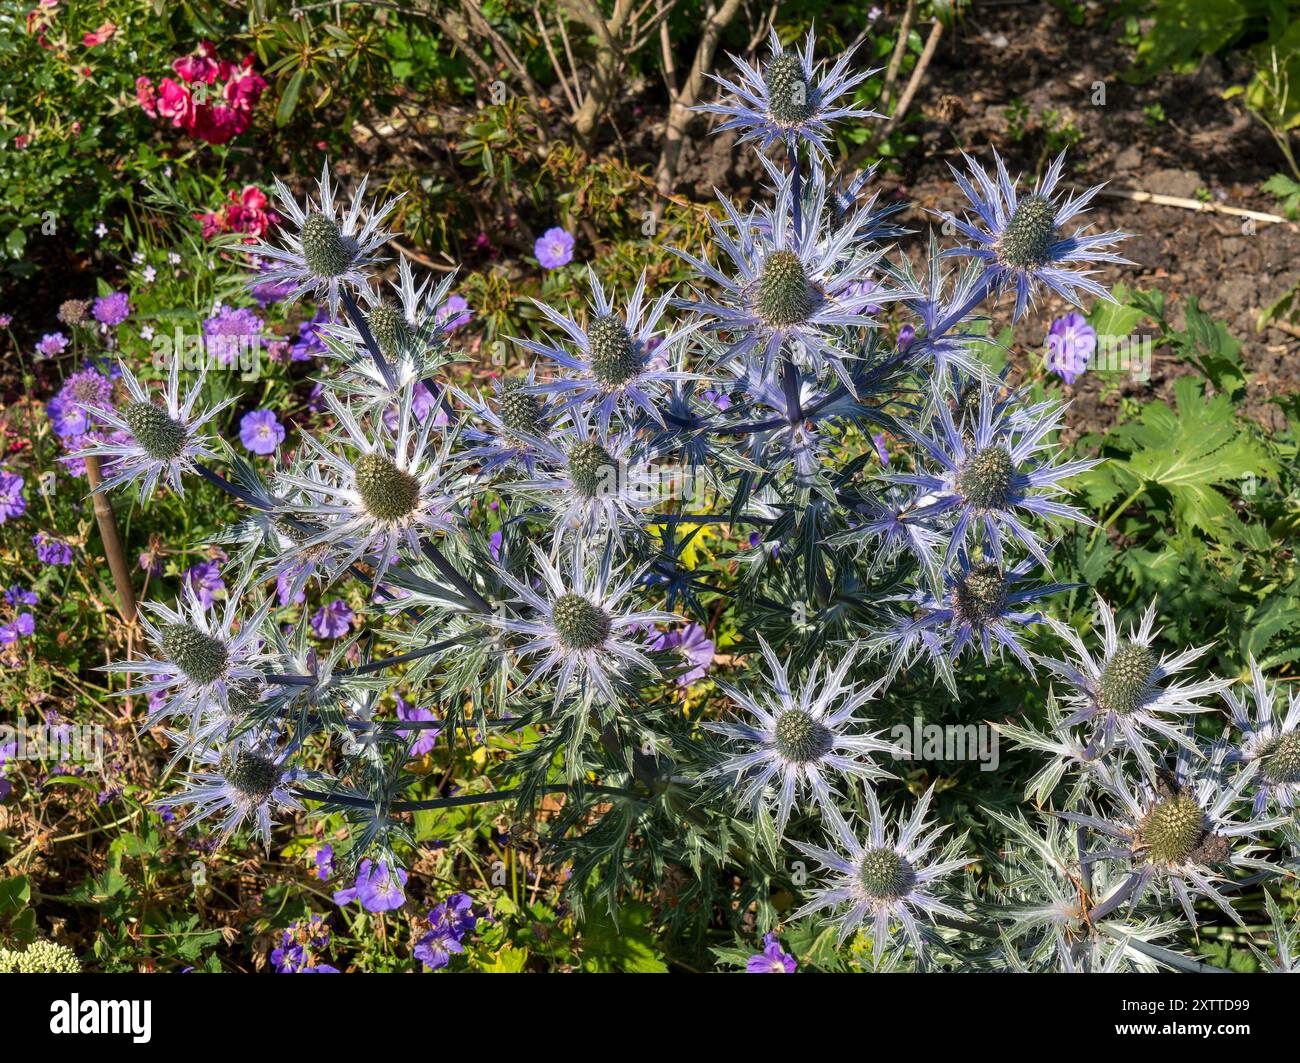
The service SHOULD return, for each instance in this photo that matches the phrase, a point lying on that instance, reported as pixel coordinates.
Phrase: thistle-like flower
(240, 783)
(324, 248)
(982, 604)
(592, 482)
(580, 631)
(407, 332)
(887, 879)
(1019, 238)
(613, 368)
(794, 738)
(1270, 740)
(514, 425)
(1124, 693)
(1177, 832)
(396, 489)
(793, 291)
(209, 673)
(165, 440)
(994, 473)
(789, 99)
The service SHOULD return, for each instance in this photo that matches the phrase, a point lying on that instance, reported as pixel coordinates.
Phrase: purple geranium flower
(376, 890)
(8, 753)
(260, 431)
(311, 341)
(425, 737)
(453, 313)
(51, 343)
(693, 642)
(12, 502)
(23, 626)
(554, 248)
(772, 960)
(51, 551)
(17, 595)
(325, 862)
(332, 621)
(300, 945)
(1071, 343)
(205, 578)
(111, 309)
(449, 922)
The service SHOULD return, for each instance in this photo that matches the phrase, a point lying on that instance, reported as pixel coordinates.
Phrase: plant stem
(112, 540)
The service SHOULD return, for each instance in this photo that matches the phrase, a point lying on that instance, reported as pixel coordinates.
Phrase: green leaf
(628, 947)
(289, 99)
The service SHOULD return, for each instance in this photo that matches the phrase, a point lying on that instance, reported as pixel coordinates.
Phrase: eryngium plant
(854, 573)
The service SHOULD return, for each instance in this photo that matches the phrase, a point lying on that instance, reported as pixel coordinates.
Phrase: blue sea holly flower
(241, 782)
(982, 606)
(202, 668)
(1270, 739)
(1123, 694)
(1020, 238)
(407, 332)
(325, 249)
(787, 292)
(513, 425)
(612, 369)
(378, 489)
(162, 442)
(789, 100)
(794, 738)
(1176, 832)
(995, 474)
(577, 627)
(591, 481)
(887, 880)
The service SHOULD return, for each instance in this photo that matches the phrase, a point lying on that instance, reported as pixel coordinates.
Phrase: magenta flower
(52, 343)
(376, 890)
(332, 621)
(554, 248)
(51, 551)
(112, 309)
(1071, 343)
(261, 432)
(772, 960)
(12, 502)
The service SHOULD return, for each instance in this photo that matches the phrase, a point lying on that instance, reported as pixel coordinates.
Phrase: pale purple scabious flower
(85, 388)
(449, 922)
(205, 578)
(260, 431)
(21, 627)
(554, 248)
(376, 889)
(12, 502)
(425, 737)
(51, 343)
(112, 309)
(231, 331)
(1071, 343)
(51, 551)
(772, 960)
(332, 621)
